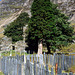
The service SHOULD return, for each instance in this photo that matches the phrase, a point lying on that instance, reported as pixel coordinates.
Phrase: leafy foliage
(49, 25)
(15, 29)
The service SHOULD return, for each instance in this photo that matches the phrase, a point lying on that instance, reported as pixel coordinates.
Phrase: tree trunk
(48, 48)
(40, 47)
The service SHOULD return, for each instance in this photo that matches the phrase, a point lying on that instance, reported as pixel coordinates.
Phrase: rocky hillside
(10, 10)
(8, 7)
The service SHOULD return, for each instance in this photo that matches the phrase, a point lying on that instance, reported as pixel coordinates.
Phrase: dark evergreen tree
(49, 25)
(15, 29)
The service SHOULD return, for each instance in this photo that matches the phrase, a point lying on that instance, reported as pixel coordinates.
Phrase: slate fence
(36, 65)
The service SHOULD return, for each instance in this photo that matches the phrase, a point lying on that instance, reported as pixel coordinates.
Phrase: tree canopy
(15, 29)
(49, 25)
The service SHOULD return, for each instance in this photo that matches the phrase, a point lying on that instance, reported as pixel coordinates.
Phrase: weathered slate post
(0, 63)
(32, 58)
(70, 73)
(34, 67)
(41, 58)
(38, 69)
(43, 70)
(45, 59)
(70, 61)
(52, 71)
(37, 60)
(19, 69)
(31, 69)
(15, 66)
(59, 71)
(64, 73)
(47, 71)
(27, 68)
(5, 70)
(62, 61)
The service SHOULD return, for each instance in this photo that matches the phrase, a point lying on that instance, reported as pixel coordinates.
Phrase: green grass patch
(68, 49)
(1, 73)
(72, 69)
(7, 53)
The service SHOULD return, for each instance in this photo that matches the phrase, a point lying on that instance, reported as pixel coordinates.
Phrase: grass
(1, 73)
(68, 49)
(72, 69)
(7, 53)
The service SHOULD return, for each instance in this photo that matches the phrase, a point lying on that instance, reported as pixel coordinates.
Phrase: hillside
(10, 10)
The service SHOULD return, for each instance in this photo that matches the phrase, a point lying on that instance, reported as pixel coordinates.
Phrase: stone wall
(6, 45)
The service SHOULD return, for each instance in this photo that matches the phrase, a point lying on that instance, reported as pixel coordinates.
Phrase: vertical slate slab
(70, 73)
(19, 69)
(64, 73)
(67, 58)
(3, 64)
(38, 69)
(37, 60)
(62, 61)
(21, 58)
(59, 71)
(43, 70)
(28, 57)
(45, 59)
(58, 61)
(73, 60)
(5, 69)
(32, 58)
(15, 70)
(52, 71)
(0, 63)
(65, 64)
(34, 68)
(70, 61)
(54, 59)
(17, 57)
(7, 66)
(50, 59)
(27, 68)
(41, 59)
(31, 69)
(47, 71)
(12, 66)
